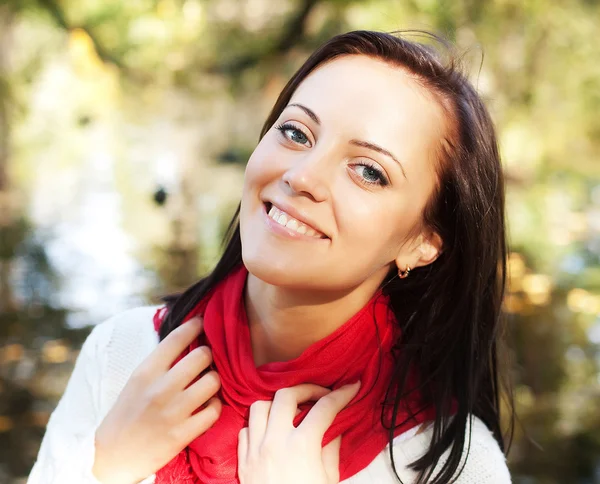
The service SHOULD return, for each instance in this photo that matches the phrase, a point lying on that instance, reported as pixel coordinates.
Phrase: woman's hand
(152, 421)
(271, 450)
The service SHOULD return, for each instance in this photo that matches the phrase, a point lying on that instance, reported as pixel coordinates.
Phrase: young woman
(364, 271)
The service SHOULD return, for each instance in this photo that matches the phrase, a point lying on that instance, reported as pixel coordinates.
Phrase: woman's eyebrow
(365, 144)
(310, 113)
(379, 149)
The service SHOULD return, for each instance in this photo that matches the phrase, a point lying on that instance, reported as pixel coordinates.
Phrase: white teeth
(291, 223)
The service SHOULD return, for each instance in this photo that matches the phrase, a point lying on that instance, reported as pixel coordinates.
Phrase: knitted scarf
(359, 349)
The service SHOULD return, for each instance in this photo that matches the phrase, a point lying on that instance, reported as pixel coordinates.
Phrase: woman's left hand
(271, 450)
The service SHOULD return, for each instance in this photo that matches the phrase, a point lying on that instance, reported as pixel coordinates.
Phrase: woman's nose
(308, 177)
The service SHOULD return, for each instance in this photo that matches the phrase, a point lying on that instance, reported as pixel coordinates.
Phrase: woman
(369, 245)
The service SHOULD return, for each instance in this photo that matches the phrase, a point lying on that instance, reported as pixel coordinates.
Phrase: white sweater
(116, 347)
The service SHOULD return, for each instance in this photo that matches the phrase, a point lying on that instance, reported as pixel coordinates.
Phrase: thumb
(331, 460)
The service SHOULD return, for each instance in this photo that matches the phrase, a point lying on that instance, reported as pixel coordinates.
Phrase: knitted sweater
(117, 346)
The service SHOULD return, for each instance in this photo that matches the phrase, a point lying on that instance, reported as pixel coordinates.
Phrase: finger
(285, 404)
(331, 459)
(323, 413)
(188, 368)
(174, 344)
(242, 448)
(200, 422)
(257, 423)
(199, 392)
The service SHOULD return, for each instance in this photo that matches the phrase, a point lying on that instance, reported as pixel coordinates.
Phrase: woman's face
(334, 190)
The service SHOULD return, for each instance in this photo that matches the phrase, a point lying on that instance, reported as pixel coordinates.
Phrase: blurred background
(124, 130)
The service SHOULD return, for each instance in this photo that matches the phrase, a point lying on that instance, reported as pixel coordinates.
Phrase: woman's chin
(289, 273)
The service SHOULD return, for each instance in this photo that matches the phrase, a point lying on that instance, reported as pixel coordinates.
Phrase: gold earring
(404, 275)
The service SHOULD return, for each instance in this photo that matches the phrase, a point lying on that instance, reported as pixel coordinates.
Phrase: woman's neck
(283, 322)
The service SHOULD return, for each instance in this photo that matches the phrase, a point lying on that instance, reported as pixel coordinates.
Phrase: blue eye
(370, 175)
(292, 133)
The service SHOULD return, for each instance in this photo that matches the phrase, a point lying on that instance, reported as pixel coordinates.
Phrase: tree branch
(292, 34)
(59, 17)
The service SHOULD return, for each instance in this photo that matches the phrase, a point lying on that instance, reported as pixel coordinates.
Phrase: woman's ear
(427, 249)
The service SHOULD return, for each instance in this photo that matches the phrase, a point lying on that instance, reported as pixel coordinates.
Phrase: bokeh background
(124, 130)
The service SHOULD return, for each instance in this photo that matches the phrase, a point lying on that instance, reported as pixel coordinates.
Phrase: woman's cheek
(262, 165)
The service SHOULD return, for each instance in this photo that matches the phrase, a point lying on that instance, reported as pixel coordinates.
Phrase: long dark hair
(450, 310)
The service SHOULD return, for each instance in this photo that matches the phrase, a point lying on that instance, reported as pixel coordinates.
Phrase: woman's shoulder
(115, 332)
(118, 345)
(484, 461)
(130, 334)
(138, 320)
(132, 327)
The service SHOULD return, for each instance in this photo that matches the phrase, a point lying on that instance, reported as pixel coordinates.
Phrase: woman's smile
(282, 223)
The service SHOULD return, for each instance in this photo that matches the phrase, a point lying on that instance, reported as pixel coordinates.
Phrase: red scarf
(359, 349)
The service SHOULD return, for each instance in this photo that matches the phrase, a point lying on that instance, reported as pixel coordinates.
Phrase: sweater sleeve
(66, 455)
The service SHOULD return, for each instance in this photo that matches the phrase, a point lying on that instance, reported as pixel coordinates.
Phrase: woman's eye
(370, 175)
(293, 134)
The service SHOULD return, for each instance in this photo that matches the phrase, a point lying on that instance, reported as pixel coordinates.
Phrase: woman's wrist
(106, 472)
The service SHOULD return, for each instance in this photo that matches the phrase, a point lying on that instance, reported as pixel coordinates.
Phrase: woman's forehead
(369, 98)
(367, 87)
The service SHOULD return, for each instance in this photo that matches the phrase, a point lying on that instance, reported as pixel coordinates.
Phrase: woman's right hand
(152, 421)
